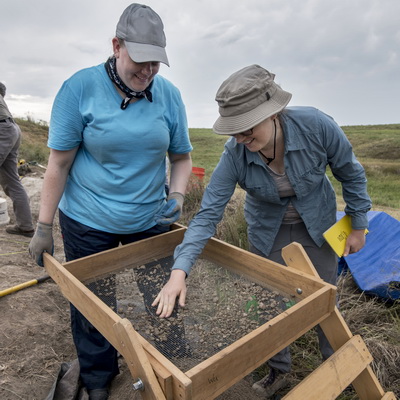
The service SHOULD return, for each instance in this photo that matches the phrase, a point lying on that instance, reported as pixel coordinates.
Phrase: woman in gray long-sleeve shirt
(279, 156)
(10, 140)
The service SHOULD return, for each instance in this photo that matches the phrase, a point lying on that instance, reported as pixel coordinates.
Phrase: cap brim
(243, 122)
(140, 53)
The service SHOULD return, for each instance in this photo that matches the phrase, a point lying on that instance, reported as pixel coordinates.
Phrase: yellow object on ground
(24, 285)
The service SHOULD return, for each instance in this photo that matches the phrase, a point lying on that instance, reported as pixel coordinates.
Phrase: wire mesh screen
(221, 307)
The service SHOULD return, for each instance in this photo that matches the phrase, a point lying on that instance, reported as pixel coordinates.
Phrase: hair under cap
(143, 32)
(246, 98)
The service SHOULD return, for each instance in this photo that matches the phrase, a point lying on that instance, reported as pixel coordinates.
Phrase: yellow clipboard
(337, 234)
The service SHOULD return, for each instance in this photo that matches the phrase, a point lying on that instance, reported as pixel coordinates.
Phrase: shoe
(271, 383)
(16, 230)
(98, 394)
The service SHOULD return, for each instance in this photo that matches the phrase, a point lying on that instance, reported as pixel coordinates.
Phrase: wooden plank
(164, 377)
(129, 255)
(389, 396)
(137, 360)
(296, 257)
(181, 384)
(367, 385)
(104, 319)
(335, 374)
(94, 310)
(260, 270)
(101, 316)
(335, 328)
(214, 375)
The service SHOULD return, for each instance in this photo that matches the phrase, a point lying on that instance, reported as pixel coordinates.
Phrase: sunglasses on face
(245, 134)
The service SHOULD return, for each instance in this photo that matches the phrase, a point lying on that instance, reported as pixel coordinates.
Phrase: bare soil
(35, 336)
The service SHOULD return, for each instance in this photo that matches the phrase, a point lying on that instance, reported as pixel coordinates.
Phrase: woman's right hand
(175, 287)
(41, 242)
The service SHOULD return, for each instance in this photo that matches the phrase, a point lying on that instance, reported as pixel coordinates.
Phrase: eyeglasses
(245, 134)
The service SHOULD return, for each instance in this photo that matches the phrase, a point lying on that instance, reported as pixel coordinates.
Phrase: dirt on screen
(35, 337)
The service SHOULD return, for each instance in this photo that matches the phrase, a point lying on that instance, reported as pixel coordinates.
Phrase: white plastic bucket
(4, 218)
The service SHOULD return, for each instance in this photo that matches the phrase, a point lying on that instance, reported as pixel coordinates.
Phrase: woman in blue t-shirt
(110, 130)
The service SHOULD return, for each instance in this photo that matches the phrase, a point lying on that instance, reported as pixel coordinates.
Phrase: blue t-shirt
(116, 182)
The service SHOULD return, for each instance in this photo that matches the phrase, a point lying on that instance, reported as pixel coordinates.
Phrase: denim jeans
(97, 357)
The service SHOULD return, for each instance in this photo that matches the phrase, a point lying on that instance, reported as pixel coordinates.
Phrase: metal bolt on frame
(138, 385)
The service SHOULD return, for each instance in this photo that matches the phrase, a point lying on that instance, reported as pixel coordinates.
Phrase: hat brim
(242, 122)
(140, 53)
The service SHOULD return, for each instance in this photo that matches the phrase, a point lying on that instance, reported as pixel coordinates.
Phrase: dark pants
(97, 358)
(325, 262)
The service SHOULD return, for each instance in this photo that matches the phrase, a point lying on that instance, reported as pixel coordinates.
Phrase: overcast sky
(341, 56)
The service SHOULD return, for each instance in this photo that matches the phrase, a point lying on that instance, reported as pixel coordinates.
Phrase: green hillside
(376, 146)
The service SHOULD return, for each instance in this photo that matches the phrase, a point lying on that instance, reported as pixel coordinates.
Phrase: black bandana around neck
(111, 69)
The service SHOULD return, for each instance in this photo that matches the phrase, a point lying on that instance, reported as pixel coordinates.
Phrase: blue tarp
(376, 268)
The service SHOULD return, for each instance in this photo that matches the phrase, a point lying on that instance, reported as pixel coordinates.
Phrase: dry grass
(377, 322)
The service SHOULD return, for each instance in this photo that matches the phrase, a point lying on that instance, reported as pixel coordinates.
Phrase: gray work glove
(172, 209)
(42, 241)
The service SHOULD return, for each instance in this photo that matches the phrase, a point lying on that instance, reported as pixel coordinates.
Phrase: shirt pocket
(312, 177)
(262, 193)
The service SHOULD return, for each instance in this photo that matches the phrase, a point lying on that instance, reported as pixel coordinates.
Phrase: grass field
(377, 147)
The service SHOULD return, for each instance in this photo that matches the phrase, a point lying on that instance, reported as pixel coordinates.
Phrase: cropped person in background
(279, 156)
(10, 140)
(110, 130)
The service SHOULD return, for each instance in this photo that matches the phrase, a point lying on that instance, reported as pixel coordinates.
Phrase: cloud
(338, 56)
(24, 106)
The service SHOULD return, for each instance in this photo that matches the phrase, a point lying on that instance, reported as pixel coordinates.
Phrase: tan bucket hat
(246, 98)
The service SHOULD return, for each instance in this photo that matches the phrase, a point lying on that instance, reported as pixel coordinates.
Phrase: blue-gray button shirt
(313, 140)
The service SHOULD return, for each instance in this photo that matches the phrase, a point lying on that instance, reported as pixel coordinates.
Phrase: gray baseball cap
(246, 98)
(143, 32)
